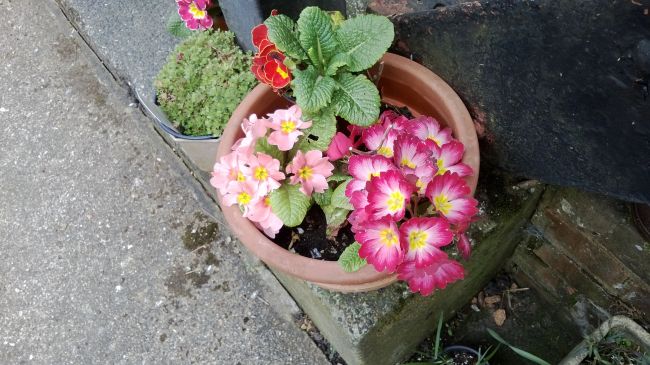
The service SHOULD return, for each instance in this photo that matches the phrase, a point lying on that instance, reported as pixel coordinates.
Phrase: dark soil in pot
(310, 239)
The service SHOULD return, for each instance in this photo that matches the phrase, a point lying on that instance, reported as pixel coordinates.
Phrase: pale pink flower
(264, 170)
(254, 128)
(286, 124)
(227, 171)
(244, 194)
(261, 214)
(311, 170)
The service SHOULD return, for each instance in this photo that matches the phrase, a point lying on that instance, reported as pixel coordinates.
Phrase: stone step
(593, 247)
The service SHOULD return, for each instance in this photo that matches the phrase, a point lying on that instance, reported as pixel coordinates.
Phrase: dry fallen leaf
(499, 317)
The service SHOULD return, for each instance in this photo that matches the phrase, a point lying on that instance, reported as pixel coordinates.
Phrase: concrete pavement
(107, 253)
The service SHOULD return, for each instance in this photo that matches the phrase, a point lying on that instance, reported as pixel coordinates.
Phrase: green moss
(204, 80)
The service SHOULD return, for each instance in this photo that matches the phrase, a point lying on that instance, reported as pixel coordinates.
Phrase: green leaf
(312, 91)
(176, 27)
(339, 199)
(282, 32)
(338, 176)
(335, 218)
(356, 100)
(289, 204)
(315, 28)
(323, 198)
(526, 355)
(365, 39)
(338, 61)
(350, 260)
(320, 134)
(263, 146)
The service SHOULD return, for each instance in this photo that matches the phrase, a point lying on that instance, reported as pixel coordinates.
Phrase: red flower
(268, 63)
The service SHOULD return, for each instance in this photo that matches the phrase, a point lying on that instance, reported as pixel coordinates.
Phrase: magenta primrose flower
(195, 13)
(449, 194)
(339, 147)
(427, 278)
(311, 170)
(448, 158)
(363, 168)
(428, 129)
(422, 238)
(286, 124)
(388, 195)
(380, 244)
(410, 153)
(381, 139)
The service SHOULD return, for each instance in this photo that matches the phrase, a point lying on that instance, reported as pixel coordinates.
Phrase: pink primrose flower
(311, 170)
(422, 238)
(380, 244)
(388, 195)
(254, 128)
(261, 214)
(428, 129)
(264, 170)
(464, 246)
(448, 158)
(450, 196)
(410, 153)
(357, 218)
(435, 276)
(286, 124)
(244, 194)
(227, 171)
(339, 147)
(195, 13)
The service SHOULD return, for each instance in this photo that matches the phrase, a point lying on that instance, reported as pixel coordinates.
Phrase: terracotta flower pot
(403, 83)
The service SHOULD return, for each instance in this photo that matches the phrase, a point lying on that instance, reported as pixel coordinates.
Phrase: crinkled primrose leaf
(350, 260)
(290, 204)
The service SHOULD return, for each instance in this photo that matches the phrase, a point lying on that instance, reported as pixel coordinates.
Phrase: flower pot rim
(152, 108)
(329, 274)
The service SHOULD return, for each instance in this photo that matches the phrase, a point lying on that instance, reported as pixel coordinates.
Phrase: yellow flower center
(385, 151)
(305, 173)
(395, 201)
(442, 203)
(434, 139)
(196, 12)
(441, 168)
(372, 174)
(260, 173)
(420, 185)
(281, 72)
(388, 237)
(287, 126)
(408, 163)
(417, 239)
(240, 177)
(244, 198)
(267, 201)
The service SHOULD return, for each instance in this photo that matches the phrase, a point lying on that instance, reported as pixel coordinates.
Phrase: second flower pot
(403, 83)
